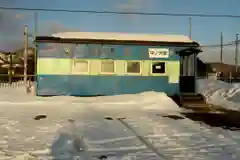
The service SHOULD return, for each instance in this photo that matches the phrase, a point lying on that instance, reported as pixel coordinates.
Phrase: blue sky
(205, 30)
(202, 27)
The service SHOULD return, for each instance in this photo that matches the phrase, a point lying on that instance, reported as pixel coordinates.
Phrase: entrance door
(187, 84)
(187, 78)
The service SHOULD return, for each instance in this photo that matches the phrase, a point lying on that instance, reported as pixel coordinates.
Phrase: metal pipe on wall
(185, 66)
(191, 65)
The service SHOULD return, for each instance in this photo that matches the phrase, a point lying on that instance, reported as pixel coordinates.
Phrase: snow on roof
(123, 36)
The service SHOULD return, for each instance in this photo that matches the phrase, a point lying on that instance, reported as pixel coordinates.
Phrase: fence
(16, 82)
(214, 76)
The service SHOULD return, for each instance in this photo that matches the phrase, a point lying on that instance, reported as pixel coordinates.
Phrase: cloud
(212, 54)
(50, 28)
(11, 29)
(7, 2)
(12, 26)
(132, 6)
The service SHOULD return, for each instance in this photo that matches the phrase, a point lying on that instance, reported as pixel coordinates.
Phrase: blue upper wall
(106, 51)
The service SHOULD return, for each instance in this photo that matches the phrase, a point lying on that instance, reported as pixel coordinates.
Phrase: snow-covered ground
(73, 123)
(221, 93)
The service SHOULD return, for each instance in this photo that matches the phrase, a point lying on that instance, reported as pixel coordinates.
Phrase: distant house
(209, 68)
(17, 61)
(20, 52)
(226, 69)
(30, 62)
(2, 57)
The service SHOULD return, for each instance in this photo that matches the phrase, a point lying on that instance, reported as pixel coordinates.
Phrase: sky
(204, 30)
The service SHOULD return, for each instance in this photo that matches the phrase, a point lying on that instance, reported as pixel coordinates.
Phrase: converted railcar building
(92, 63)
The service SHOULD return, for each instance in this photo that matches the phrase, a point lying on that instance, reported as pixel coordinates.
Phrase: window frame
(126, 65)
(158, 74)
(77, 72)
(109, 73)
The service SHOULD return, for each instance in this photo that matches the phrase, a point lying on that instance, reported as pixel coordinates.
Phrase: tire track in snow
(145, 141)
(189, 139)
(213, 141)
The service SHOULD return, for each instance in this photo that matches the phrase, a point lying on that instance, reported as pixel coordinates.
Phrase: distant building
(17, 63)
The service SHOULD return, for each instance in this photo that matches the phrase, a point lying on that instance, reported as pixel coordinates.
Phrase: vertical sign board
(158, 52)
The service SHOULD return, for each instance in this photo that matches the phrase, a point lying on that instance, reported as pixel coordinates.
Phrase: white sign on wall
(158, 52)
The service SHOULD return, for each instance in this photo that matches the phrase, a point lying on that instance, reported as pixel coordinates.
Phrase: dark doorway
(187, 84)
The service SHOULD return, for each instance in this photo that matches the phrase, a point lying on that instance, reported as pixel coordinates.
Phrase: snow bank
(220, 93)
(146, 100)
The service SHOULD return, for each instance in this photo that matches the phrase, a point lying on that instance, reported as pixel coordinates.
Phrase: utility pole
(221, 51)
(25, 55)
(35, 52)
(190, 27)
(35, 44)
(236, 53)
(10, 68)
(187, 59)
(192, 59)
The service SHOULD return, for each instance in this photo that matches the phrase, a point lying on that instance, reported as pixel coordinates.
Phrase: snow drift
(220, 93)
(146, 100)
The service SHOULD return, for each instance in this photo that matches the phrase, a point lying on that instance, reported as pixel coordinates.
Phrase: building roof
(123, 36)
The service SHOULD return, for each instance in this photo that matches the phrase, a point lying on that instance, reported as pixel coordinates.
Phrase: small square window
(112, 50)
(80, 66)
(158, 67)
(107, 67)
(133, 67)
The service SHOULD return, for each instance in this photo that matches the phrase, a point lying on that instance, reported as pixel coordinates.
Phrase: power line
(125, 13)
(133, 13)
(219, 45)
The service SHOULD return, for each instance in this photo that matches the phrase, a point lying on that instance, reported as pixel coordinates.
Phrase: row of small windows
(109, 66)
(95, 50)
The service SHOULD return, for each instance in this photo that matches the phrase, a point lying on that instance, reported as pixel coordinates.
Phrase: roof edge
(51, 39)
(124, 36)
